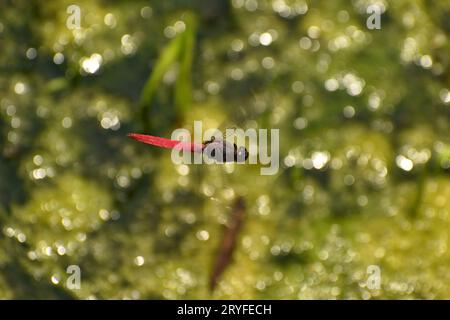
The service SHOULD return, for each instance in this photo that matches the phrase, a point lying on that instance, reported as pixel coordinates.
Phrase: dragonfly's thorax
(224, 151)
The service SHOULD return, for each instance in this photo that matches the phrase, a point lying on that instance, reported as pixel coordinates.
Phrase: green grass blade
(169, 55)
(183, 88)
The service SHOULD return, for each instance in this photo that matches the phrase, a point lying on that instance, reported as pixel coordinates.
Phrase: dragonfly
(217, 149)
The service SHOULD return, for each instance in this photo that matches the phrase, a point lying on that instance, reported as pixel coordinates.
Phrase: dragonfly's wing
(166, 143)
(222, 134)
(229, 130)
(229, 134)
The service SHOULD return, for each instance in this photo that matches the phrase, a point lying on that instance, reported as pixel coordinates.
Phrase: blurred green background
(364, 123)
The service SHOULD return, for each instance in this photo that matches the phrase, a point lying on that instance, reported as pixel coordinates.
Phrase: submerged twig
(228, 242)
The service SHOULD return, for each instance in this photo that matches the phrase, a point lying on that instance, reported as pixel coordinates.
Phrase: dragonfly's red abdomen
(166, 143)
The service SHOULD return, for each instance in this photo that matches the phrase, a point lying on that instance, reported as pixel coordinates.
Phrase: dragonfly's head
(241, 154)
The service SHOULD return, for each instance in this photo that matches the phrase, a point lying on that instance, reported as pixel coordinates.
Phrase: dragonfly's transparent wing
(221, 133)
(229, 131)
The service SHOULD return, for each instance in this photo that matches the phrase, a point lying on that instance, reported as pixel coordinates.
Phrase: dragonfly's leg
(209, 141)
